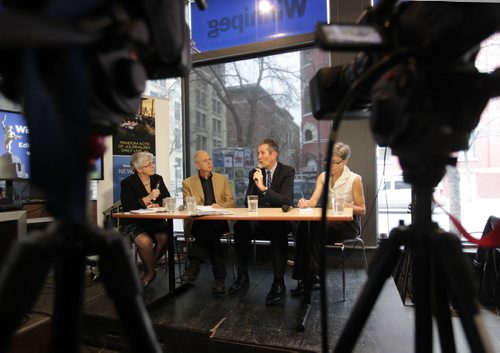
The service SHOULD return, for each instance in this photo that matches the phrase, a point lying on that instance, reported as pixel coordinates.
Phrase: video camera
(125, 43)
(415, 72)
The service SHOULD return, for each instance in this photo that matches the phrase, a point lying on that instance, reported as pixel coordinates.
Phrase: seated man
(210, 189)
(343, 184)
(272, 182)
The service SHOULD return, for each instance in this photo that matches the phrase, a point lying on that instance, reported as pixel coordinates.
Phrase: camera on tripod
(415, 73)
(125, 43)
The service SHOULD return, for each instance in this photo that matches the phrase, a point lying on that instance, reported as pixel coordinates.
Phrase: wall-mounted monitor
(15, 153)
(14, 149)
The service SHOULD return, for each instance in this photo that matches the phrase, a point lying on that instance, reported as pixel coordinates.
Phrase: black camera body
(430, 98)
(124, 44)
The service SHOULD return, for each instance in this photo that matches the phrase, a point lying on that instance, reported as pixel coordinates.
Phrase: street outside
(474, 216)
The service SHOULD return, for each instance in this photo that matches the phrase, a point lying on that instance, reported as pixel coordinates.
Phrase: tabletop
(263, 214)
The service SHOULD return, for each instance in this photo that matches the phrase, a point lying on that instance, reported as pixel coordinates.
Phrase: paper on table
(149, 210)
(206, 208)
(308, 209)
(144, 210)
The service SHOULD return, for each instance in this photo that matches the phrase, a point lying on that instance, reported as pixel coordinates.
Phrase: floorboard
(198, 320)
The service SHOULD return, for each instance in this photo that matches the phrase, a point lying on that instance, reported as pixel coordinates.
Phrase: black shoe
(240, 283)
(192, 271)
(219, 286)
(277, 294)
(316, 282)
(299, 290)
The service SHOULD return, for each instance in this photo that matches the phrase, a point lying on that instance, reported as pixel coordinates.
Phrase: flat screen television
(15, 159)
(14, 151)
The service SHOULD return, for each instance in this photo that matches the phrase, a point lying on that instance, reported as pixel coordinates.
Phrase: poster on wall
(137, 133)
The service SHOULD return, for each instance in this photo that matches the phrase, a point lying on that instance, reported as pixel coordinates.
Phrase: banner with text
(226, 24)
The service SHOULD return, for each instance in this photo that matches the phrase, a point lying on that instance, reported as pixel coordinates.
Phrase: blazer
(133, 190)
(222, 192)
(281, 191)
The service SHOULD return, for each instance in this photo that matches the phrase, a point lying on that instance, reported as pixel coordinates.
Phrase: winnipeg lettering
(286, 9)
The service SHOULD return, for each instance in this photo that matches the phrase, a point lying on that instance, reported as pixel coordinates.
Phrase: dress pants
(207, 236)
(276, 232)
(336, 232)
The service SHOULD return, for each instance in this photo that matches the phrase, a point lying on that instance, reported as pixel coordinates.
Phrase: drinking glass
(253, 203)
(169, 204)
(338, 205)
(190, 204)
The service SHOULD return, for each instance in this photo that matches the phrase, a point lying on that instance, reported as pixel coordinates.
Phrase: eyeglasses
(337, 163)
(150, 164)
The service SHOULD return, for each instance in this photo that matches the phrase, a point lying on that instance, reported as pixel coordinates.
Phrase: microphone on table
(259, 166)
(286, 208)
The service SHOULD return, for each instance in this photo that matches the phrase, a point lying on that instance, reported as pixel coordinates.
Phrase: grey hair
(342, 150)
(197, 155)
(138, 159)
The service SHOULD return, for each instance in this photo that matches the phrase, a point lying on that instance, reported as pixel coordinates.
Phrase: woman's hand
(303, 203)
(153, 195)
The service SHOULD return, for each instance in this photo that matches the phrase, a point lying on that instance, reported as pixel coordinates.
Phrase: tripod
(440, 273)
(66, 245)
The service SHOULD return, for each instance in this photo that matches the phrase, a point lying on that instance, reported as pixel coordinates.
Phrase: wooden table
(263, 214)
(239, 214)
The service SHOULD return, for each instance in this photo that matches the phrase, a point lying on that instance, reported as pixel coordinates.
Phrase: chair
(341, 245)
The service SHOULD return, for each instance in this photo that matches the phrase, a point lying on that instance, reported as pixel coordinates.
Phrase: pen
(302, 194)
(157, 187)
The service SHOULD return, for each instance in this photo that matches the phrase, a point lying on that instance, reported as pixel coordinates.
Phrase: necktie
(268, 182)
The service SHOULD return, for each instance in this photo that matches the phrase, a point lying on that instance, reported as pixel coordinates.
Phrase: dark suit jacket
(132, 192)
(281, 191)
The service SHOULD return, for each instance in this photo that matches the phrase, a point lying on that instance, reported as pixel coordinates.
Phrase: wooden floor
(199, 321)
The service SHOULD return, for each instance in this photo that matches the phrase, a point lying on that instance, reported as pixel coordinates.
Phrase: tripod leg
(461, 289)
(69, 272)
(442, 312)
(21, 278)
(386, 258)
(123, 285)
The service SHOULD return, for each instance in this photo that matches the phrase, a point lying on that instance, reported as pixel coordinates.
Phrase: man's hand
(258, 178)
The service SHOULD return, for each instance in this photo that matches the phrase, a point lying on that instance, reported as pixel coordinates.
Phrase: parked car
(395, 195)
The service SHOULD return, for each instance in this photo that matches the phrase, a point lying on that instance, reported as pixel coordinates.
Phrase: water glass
(338, 205)
(190, 204)
(253, 203)
(169, 204)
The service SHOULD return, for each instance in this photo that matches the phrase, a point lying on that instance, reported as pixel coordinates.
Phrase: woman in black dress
(145, 189)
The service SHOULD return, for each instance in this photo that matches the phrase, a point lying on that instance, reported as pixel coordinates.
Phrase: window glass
(170, 89)
(469, 191)
(255, 99)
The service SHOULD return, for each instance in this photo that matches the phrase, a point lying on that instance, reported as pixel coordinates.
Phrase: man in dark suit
(272, 182)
